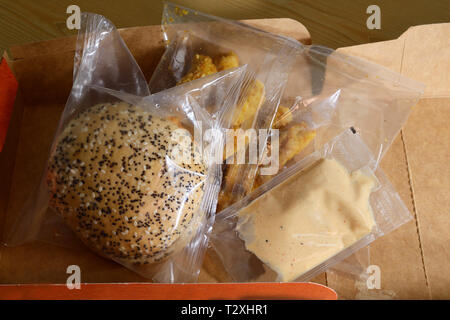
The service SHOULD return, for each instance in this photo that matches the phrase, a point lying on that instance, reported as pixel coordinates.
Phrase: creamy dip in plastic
(308, 218)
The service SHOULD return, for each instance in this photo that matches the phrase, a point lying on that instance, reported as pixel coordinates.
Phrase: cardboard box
(413, 259)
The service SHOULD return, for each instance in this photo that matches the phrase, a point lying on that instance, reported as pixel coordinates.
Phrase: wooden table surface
(333, 23)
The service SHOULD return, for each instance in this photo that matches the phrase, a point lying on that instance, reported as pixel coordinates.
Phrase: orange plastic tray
(150, 291)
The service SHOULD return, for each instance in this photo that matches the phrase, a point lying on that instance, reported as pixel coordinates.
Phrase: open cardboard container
(414, 260)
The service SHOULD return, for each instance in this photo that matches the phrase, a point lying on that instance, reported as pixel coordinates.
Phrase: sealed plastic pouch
(101, 58)
(198, 45)
(350, 91)
(126, 173)
(372, 99)
(345, 91)
(329, 91)
(326, 92)
(313, 215)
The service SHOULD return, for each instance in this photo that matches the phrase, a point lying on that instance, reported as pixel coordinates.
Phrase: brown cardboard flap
(427, 138)
(426, 58)
(414, 259)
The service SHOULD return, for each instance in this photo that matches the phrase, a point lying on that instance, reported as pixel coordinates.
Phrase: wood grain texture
(336, 23)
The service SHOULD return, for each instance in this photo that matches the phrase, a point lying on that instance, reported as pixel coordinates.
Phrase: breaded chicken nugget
(292, 141)
(255, 97)
(201, 66)
(227, 61)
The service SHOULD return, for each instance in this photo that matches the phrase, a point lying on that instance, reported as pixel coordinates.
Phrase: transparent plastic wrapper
(326, 92)
(372, 99)
(269, 232)
(368, 97)
(295, 130)
(298, 127)
(343, 91)
(198, 45)
(125, 173)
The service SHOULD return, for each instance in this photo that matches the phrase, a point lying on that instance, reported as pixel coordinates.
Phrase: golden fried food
(227, 61)
(234, 185)
(232, 177)
(292, 141)
(201, 66)
(228, 181)
(282, 118)
(255, 97)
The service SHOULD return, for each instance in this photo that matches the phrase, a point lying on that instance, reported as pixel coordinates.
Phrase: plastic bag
(372, 99)
(124, 172)
(233, 232)
(328, 92)
(98, 47)
(343, 91)
(201, 111)
(199, 44)
(298, 127)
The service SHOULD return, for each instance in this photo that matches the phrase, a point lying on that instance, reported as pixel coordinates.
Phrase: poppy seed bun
(112, 180)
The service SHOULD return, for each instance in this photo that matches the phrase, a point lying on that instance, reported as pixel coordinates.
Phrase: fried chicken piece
(227, 61)
(292, 141)
(224, 200)
(201, 66)
(255, 97)
(228, 181)
(246, 112)
(282, 118)
(234, 185)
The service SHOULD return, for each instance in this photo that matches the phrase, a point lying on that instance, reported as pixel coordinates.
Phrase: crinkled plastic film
(326, 91)
(349, 150)
(199, 44)
(125, 173)
(98, 46)
(373, 100)
(351, 92)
